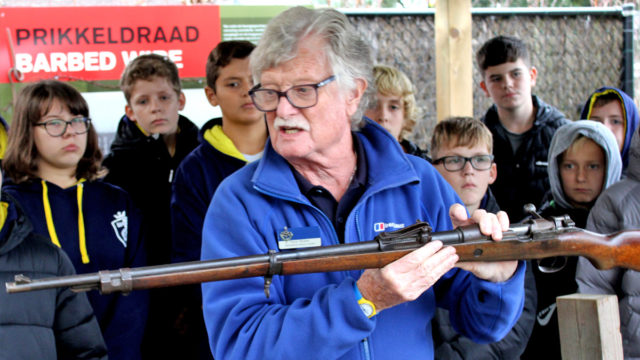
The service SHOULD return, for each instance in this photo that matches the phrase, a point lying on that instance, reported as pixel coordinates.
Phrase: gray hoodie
(618, 208)
(565, 136)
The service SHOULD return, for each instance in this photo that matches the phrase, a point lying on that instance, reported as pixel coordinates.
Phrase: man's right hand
(408, 277)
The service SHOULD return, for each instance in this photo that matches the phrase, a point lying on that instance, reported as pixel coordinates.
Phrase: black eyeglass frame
(86, 120)
(281, 94)
(466, 159)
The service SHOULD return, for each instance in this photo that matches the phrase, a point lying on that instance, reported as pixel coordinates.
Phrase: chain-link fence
(574, 53)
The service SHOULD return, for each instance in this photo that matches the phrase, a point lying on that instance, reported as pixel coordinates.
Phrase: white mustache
(291, 123)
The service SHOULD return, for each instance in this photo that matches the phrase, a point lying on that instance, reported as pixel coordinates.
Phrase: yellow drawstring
(83, 239)
(50, 226)
(48, 216)
(4, 209)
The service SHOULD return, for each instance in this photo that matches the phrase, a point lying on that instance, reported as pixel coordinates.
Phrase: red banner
(96, 43)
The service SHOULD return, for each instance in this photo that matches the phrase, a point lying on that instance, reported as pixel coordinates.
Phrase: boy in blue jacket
(226, 144)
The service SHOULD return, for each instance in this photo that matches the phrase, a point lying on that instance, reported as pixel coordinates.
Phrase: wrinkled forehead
(309, 64)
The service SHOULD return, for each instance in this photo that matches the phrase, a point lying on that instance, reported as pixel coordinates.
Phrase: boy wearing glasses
(462, 153)
(226, 145)
(584, 159)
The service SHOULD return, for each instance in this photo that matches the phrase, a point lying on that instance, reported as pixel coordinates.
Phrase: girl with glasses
(53, 168)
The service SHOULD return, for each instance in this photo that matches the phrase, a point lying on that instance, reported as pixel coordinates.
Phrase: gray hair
(348, 55)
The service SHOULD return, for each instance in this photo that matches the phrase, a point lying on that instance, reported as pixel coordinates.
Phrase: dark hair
(222, 55)
(146, 67)
(35, 100)
(604, 99)
(501, 49)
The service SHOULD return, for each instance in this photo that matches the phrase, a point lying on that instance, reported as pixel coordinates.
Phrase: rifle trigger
(275, 268)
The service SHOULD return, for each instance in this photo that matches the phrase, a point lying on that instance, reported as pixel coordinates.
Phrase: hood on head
(562, 140)
(632, 117)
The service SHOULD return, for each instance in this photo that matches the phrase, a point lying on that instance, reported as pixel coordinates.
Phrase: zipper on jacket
(366, 350)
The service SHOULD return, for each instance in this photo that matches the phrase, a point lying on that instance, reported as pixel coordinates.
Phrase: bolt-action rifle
(536, 238)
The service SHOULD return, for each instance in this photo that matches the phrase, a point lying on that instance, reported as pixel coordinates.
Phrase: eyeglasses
(57, 127)
(457, 163)
(299, 96)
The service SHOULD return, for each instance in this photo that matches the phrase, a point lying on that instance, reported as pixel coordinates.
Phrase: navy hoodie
(112, 240)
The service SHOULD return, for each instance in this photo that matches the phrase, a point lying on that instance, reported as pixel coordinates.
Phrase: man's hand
(408, 277)
(490, 224)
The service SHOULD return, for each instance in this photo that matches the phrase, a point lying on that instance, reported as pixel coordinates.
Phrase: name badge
(301, 237)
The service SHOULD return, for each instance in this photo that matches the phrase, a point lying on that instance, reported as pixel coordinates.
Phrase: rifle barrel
(523, 241)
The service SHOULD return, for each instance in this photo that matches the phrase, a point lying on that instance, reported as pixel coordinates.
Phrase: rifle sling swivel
(275, 268)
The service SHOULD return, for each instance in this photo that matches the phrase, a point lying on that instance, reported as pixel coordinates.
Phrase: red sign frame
(96, 43)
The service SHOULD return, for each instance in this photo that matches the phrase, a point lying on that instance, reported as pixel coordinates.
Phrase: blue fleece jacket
(317, 315)
(113, 240)
(632, 117)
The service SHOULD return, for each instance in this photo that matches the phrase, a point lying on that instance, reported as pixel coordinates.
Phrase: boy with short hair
(617, 111)
(395, 107)
(584, 159)
(522, 125)
(462, 151)
(151, 141)
(226, 145)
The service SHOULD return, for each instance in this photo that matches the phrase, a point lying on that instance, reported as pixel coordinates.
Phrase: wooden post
(454, 60)
(589, 327)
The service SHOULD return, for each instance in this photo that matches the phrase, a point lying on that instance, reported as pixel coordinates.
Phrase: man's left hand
(490, 224)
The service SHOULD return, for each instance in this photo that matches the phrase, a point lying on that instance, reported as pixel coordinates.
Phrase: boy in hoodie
(583, 160)
(617, 111)
(522, 125)
(617, 209)
(226, 144)
(151, 141)
(462, 149)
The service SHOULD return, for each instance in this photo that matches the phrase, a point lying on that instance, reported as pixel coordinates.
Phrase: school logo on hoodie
(120, 226)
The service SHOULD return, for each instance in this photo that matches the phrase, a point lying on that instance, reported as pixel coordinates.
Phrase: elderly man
(335, 178)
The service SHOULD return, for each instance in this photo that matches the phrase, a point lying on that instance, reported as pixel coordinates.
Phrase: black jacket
(450, 345)
(143, 167)
(47, 324)
(545, 338)
(413, 149)
(522, 178)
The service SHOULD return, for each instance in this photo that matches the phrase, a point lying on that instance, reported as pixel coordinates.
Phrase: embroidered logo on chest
(120, 226)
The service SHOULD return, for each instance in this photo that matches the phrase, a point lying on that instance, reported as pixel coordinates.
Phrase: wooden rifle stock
(533, 239)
